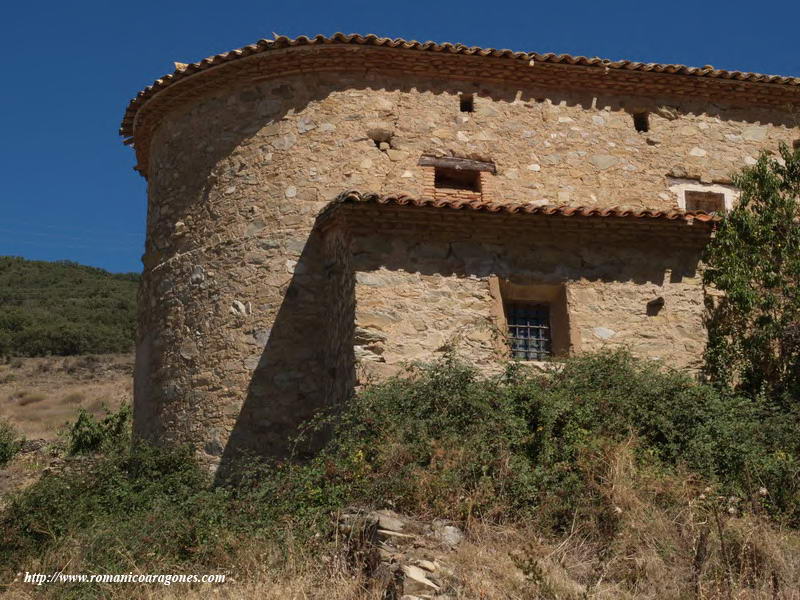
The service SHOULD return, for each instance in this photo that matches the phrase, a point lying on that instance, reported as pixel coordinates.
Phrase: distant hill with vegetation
(64, 308)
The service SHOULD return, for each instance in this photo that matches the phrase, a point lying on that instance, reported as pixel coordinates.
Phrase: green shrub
(88, 434)
(449, 441)
(135, 504)
(10, 442)
(444, 441)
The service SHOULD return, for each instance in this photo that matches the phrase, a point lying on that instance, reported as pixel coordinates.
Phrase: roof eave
(127, 129)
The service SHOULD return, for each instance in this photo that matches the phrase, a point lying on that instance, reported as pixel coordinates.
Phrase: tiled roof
(355, 197)
(280, 42)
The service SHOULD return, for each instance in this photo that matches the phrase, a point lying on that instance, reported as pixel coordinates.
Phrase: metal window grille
(528, 330)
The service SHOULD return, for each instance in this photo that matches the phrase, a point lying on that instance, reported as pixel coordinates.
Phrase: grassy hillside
(608, 479)
(63, 308)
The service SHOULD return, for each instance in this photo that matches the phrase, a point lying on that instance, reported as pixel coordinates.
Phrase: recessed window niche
(707, 202)
(456, 178)
(534, 318)
(692, 195)
(641, 121)
(466, 103)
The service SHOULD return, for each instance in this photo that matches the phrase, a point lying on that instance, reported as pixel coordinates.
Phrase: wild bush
(441, 441)
(144, 503)
(647, 533)
(90, 434)
(447, 441)
(10, 442)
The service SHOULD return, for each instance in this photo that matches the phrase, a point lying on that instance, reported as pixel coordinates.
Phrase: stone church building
(323, 211)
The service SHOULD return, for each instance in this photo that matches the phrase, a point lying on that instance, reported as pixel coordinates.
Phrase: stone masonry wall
(234, 316)
(340, 332)
(417, 296)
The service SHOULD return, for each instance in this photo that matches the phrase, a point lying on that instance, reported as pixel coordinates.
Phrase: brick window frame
(480, 191)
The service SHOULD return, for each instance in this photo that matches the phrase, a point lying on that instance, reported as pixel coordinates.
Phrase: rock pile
(407, 557)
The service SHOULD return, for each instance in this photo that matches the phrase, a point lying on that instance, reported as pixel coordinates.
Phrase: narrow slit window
(707, 202)
(528, 330)
(466, 103)
(457, 179)
(641, 121)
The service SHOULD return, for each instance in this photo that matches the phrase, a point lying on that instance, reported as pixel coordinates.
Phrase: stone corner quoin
(320, 213)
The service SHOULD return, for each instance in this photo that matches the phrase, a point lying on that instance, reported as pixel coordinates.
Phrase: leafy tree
(754, 261)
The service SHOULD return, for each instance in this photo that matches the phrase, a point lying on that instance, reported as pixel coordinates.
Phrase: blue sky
(70, 68)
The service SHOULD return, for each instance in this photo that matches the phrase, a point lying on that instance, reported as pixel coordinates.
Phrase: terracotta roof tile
(355, 197)
(183, 70)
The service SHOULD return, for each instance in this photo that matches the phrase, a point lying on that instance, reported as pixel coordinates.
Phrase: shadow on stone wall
(549, 260)
(308, 364)
(307, 356)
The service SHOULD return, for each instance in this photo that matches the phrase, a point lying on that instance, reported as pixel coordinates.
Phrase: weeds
(447, 441)
(635, 469)
(10, 442)
(650, 534)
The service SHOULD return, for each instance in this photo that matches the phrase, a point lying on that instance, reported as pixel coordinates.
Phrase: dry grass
(300, 576)
(74, 399)
(25, 398)
(263, 570)
(657, 536)
(483, 565)
(486, 567)
(45, 393)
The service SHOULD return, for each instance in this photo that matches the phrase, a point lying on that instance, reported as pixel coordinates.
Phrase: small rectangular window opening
(457, 179)
(641, 121)
(796, 144)
(528, 330)
(707, 202)
(466, 103)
